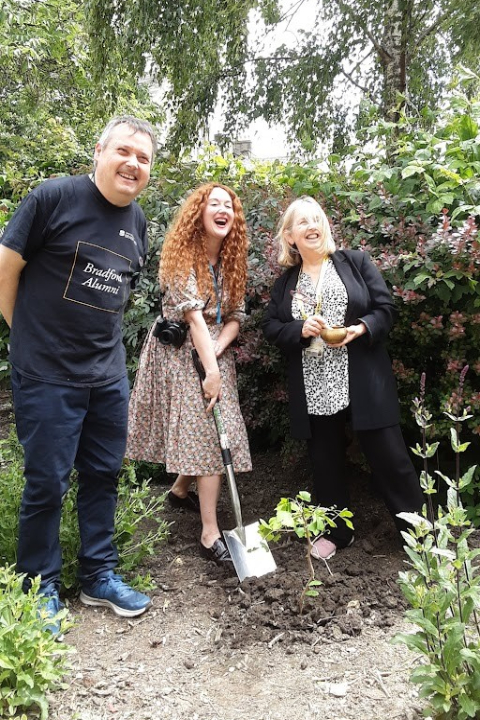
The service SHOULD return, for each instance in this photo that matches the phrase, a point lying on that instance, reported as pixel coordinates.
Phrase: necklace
(318, 292)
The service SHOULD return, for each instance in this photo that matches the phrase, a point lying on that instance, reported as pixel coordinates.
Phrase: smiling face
(218, 214)
(306, 231)
(123, 164)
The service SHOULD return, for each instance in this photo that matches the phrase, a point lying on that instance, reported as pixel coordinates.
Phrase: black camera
(169, 332)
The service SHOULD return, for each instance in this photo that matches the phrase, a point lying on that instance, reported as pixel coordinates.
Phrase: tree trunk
(393, 57)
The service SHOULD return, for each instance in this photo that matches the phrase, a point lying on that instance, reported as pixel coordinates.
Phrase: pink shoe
(324, 549)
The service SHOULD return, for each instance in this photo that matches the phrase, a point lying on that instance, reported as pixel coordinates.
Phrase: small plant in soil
(443, 584)
(298, 515)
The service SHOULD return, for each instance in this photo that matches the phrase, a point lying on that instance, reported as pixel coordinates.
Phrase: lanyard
(318, 292)
(218, 295)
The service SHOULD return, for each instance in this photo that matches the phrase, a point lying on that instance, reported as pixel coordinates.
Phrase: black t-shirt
(82, 255)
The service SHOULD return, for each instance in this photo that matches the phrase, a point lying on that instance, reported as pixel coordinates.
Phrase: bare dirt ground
(211, 648)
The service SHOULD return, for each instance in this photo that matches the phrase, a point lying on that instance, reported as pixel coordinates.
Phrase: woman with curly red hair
(203, 274)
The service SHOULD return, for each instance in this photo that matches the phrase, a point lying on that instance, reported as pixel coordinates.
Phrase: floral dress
(168, 422)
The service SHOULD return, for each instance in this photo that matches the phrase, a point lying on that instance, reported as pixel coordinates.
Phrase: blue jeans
(61, 428)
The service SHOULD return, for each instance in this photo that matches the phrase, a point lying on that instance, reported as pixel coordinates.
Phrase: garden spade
(250, 553)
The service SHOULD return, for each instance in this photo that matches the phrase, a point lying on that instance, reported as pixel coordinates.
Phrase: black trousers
(387, 455)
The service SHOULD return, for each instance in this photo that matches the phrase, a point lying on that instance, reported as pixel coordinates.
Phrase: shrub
(11, 488)
(32, 661)
(431, 272)
(443, 588)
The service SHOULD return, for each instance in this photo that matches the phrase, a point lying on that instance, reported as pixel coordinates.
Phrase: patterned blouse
(326, 374)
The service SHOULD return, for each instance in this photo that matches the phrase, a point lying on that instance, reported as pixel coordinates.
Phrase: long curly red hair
(185, 248)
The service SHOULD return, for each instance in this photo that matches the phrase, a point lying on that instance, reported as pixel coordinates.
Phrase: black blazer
(373, 392)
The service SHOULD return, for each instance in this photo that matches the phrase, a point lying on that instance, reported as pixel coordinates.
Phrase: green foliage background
(416, 214)
(410, 196)
(343, 62)
(50, 108)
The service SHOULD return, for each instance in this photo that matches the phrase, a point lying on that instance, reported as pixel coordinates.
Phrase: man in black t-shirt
(68, 259)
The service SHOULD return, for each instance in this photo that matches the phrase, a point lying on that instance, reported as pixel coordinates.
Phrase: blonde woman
(338, 379)
(203, 273)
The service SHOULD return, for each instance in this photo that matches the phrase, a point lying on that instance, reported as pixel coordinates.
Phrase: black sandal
(219, 552)
(190, 502)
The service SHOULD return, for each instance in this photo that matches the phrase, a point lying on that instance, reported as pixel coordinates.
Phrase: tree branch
(354, 82)
(273, 29)
(272, 58)
(382, 53)
(298, 4)
(434, 26)
(360, 62)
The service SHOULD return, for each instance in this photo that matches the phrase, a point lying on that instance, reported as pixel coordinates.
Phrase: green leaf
(26, 679)
(414, 641)
(445, 479)
(421, 278)
(467, 478)
(431, 449)
(415, 520)
(470, 706)
(452, 647)
(435, 207)
(448, 283)
(472, 657)
(443, 552)
(286, 519)
(467, 128)
(412, 170)
(6, 663)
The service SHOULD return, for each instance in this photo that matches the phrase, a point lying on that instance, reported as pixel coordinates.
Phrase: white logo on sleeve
(128, 235)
